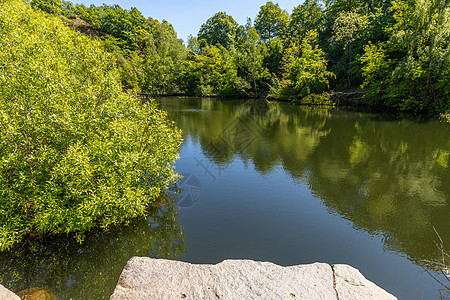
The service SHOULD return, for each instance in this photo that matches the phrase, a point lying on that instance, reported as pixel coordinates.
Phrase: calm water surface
(279, 183)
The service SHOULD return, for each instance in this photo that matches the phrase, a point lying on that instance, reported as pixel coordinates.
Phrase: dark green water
(279, 183)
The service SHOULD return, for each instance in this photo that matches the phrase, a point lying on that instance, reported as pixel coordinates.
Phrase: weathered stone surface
(147, 278)
(6, 294)
(351, 284)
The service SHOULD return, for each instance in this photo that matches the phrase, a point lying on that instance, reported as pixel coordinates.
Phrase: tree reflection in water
(389, 177)
(90, 270)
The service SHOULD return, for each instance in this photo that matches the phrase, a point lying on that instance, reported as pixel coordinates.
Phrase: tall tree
(334, 7)
(307, 16)
(214, 71)
(128, 25)
(164, 60)
(421, 78)
(376, 71)
(271, 21)
(251, 54)
(304, 68)
(348, 28)
(219, 29)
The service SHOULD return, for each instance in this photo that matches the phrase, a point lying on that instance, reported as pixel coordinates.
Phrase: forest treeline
(396, 51)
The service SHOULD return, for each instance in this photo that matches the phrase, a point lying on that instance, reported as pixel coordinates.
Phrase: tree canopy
(219, 29)
(305, 17)
(271, 21)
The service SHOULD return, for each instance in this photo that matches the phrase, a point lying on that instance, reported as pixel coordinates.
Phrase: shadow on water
(90, 270)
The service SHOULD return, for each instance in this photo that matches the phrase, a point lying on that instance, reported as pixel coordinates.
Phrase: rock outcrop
(147, 278)
(6, 294)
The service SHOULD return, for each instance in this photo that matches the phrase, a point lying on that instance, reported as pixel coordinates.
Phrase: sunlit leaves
(421, 32)
(305, 17)
(49, 6)
(271, 21)
(164, 61)
(376, 70)
(348, 27)
(220, 29)
(305, 68)
(77, 148)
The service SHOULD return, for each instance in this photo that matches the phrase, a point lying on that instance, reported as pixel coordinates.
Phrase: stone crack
(334, 282)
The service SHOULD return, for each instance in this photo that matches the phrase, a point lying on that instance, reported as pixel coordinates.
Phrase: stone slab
(6, 294)
(147, 278)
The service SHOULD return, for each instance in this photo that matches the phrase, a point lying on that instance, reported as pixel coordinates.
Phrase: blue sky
(187, 16)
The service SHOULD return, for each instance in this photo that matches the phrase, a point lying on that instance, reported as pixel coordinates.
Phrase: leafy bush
(75, 151)
(49, 6)
(420, 80)
(304, 70)
(375, 71)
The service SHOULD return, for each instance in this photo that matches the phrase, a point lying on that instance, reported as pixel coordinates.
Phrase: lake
(280, 183)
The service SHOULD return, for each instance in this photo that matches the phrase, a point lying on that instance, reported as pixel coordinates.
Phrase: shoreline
(150, 278)
(342, 99)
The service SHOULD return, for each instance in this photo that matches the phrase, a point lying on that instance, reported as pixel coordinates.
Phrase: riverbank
(344, 99)
(340, 98)
(148, 278)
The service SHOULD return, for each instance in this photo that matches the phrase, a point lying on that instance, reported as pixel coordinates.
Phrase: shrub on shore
(76, 152)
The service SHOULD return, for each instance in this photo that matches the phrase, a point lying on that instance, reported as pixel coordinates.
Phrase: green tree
(131, 69)
(271, 21)
(220, 29)
(76, 152)
(376, 71)
(128, 25)
(214, 71)
(250, 57)
(164, 61)
(272, 61)
(305, 17)
(49, 6)
(421, 35)
(349, 28)
(335, 7)
(305, 69)
(193, 44)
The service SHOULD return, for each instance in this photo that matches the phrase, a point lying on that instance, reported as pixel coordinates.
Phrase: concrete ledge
(147, 278)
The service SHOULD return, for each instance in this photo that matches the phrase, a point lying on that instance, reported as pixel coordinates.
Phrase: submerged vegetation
(76, 152)
(395, 52)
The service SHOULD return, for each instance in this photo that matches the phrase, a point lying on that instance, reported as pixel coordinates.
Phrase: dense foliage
(305, 69)
(76, 152)
(397, 51)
